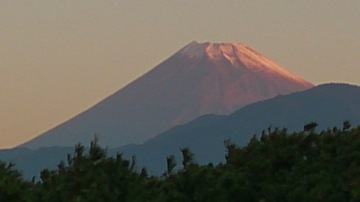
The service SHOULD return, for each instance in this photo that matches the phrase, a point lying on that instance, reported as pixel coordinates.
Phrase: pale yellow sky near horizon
(57, 58)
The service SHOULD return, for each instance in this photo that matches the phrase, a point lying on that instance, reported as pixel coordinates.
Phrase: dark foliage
(303, 166)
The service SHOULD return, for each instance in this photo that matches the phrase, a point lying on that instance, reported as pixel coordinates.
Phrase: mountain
(329, 105)
(201, 78)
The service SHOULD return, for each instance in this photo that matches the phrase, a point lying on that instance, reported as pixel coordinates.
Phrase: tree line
(276, 166)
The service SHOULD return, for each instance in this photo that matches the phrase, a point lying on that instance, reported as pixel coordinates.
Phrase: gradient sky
(58, 58)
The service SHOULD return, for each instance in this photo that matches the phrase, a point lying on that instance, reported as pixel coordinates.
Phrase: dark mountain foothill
(328, 105)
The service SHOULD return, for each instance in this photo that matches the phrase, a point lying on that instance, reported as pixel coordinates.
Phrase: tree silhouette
(310, 126)
(302, 166)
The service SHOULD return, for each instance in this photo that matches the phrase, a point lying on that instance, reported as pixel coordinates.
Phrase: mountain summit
(238, 55)
(201, 78)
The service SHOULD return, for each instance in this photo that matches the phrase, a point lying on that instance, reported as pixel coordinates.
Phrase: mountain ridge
(329, 105)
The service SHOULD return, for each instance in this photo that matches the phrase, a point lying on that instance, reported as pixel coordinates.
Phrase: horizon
(60, 58)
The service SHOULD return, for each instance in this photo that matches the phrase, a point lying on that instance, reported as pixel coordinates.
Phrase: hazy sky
(59, 57)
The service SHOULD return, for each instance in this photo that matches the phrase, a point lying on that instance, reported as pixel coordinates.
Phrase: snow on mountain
(238, 55)
(201, 78)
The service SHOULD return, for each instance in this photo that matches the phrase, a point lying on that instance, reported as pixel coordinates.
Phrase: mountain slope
(201, 78)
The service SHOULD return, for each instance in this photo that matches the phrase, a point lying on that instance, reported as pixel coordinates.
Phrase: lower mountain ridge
(328, 105)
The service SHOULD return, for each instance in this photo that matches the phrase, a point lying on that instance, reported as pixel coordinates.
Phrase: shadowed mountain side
(329, 105)
(201, 78)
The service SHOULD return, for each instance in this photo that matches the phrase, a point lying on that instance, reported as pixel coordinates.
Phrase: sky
(58, 58)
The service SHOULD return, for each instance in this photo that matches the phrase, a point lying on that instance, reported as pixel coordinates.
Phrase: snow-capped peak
(212, 50)
(218, 51)
(239, 55)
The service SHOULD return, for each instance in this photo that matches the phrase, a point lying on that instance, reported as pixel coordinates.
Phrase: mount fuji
(199, 79)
